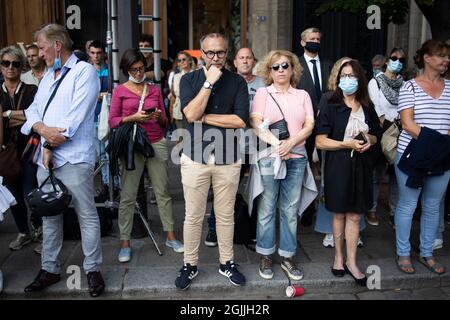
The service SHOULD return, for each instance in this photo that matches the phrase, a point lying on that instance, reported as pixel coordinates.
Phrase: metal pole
(115, 48)
(109, 43)
(156, 46)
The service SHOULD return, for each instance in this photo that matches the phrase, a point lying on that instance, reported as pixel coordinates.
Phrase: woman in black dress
(347, 127)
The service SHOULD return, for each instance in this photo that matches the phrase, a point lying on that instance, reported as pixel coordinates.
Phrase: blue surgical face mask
(57, 62)
(348, 85)
(395, 66)
(376, 71)
(137, 81)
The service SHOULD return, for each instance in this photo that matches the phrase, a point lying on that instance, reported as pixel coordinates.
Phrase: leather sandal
(404, 263)
(434, 267)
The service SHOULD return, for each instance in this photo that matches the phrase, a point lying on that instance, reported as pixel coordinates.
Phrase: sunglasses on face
(182, 59)
(276, 66)
(6, 64)
(211, 54)
(394, 58)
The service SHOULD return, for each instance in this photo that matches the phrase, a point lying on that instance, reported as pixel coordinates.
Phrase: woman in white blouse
(383, 91)
(185, 65)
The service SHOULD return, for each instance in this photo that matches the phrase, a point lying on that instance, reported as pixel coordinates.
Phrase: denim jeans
(433, 191)
(324, 218)
(441, 228)
(79, 180)
(378, 174)
(288, 192)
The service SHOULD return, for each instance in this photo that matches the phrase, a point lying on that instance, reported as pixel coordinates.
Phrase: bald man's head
(244, 61)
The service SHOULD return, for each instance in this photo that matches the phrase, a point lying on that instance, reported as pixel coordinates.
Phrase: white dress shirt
(311, 66)
(72, 108)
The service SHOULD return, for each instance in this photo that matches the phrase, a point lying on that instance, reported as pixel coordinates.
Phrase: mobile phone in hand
(149, 111)
(361, 136)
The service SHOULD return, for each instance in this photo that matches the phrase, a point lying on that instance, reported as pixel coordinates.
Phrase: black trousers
(26, 182)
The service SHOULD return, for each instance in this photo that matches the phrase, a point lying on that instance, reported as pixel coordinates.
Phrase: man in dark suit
(313, 80)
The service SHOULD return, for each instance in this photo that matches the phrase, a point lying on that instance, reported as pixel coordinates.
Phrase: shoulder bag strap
(276, 104)
(15, 131)
(141, 105)
(56, 89)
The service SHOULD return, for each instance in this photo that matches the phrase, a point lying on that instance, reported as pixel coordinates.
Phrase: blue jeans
(288, 192)
(79, 180)
(441, 228)
(433, 191)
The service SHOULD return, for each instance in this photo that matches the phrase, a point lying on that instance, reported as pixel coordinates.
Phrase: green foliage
(393, 10)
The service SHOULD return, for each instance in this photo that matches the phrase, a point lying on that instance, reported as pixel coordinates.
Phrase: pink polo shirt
(295, 103)
(125, 103)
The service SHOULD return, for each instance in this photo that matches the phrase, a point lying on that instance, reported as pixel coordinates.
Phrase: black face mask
(313, 47)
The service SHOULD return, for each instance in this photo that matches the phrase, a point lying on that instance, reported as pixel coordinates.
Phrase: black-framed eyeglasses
(7, 63)
(394, 58)
(136, 70)
(210, 54)
(277, 66)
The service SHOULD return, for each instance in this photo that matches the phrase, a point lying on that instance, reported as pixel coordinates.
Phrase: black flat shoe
(361, 282)
(338, 272)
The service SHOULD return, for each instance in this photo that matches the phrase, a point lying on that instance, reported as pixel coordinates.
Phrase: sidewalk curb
(158, 282)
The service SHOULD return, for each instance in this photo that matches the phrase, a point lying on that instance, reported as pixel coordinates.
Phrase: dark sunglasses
(182, 60)
(277, 66)
(15, 64)
(394, 58)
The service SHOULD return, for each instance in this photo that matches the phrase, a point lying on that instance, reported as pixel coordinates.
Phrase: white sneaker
(328, 241)
(438, 244)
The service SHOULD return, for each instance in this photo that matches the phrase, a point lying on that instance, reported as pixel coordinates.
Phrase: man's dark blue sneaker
(187, 273)
(230, 271)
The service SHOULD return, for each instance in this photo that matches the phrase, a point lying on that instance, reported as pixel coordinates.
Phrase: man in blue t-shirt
(97, 59)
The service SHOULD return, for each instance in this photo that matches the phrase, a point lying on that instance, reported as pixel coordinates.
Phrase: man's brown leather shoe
(42, 281)
(95, 283)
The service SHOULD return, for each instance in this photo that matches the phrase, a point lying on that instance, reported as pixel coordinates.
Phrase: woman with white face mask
(152, 118)
(347, 128)
(383, 91)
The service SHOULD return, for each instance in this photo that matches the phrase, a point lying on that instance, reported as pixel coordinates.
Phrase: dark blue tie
(316, 79)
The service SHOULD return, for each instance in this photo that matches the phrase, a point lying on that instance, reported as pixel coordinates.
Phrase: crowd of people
(304, 111)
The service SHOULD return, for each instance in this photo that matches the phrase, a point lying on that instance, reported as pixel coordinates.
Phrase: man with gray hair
(37, 65)
(314, 79)
(66, 126)
(378, 63)
(215, 103)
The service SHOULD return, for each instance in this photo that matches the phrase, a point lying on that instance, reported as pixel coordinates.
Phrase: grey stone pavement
(150, 276)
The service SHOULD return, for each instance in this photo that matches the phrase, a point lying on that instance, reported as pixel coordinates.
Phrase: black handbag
(279, 129)
(10, 168)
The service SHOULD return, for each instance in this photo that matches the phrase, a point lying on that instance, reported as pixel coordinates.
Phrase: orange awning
(194, 53)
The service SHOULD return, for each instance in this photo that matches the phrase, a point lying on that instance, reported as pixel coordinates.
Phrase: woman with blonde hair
(280, 102)
(185, 64)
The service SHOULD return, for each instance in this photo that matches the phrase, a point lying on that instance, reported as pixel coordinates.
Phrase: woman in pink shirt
(152, 117)
(281, 71)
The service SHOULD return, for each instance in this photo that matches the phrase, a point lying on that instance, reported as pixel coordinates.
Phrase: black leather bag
(279, 129)
(10, 167)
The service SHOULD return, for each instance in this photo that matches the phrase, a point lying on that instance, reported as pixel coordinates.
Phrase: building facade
(260, 24)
